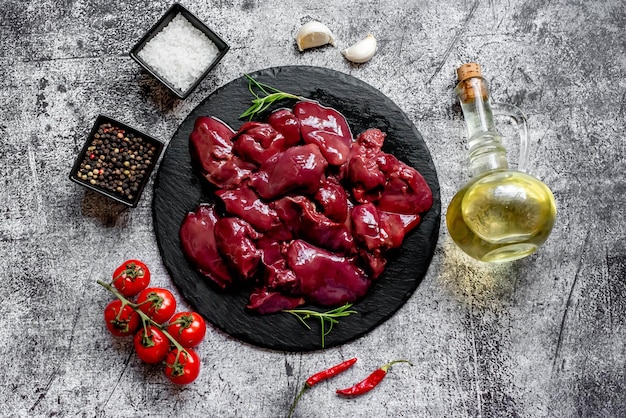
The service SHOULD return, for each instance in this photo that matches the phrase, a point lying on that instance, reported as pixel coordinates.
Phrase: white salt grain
(179, 53)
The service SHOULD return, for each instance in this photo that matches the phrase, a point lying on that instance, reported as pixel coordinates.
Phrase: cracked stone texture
(544, 336)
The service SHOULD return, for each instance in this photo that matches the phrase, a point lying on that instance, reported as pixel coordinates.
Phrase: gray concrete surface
(545, 336)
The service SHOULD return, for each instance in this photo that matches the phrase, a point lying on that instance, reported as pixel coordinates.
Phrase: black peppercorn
(115, 161)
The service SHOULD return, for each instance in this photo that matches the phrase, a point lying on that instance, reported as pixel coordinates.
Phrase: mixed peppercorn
(117, 161)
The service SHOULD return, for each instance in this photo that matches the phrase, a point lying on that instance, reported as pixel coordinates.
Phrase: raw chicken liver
(309, 212)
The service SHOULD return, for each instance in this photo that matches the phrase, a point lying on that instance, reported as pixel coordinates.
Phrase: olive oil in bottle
(501, 214)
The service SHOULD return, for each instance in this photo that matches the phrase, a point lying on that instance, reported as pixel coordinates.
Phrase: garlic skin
(313, 34)
(361, 51)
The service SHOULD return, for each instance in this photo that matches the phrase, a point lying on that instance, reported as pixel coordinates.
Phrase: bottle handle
(515, 113)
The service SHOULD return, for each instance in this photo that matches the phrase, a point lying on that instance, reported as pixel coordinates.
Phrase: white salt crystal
(179, 53)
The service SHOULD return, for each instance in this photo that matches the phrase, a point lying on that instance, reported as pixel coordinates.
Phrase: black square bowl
(116, 161)
(173, 11)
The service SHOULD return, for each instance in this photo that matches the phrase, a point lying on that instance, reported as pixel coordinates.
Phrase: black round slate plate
(178, 190)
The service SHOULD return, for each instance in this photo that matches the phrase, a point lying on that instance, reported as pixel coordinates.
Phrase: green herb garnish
(261, 103)
(328, 317)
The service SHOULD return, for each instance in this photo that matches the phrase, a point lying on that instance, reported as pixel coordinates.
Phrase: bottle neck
(486, 152)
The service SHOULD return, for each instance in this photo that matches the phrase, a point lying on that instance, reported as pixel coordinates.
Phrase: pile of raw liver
(306, 211)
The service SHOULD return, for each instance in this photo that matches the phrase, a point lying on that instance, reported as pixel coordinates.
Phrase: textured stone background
(545, 336)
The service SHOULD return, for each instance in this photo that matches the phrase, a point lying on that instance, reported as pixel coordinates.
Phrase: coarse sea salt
(179, 53)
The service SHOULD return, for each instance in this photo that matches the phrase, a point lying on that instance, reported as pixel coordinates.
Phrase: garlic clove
(314, 34)
(361, 51)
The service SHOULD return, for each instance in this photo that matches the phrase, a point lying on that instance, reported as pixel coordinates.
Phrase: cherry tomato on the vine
(121, 321)
(188, 328)
(158, 303)
(151, 345)
(182, 367)
(131, 277)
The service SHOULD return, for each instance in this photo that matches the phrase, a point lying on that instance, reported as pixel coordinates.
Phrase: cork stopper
(469, 70)
(471, 83)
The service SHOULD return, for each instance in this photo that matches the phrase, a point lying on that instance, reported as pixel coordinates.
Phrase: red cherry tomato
(121, 321)
(151, 346)
(182, 368)
(158, 303)
(188, 328)
(131, 277)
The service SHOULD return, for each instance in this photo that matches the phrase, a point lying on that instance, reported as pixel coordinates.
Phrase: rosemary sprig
(328, 317)
(261, 103)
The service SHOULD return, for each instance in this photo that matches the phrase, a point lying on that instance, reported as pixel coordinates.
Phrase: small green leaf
(326, 318)
(262, 103)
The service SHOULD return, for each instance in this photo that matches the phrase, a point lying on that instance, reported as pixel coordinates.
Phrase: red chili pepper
(328, 373)
(371, 381)
(320, 376)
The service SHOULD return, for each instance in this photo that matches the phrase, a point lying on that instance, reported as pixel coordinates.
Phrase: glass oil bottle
(501, 214)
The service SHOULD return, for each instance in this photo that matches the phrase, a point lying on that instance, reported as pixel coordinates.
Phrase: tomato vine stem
(177, 369)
